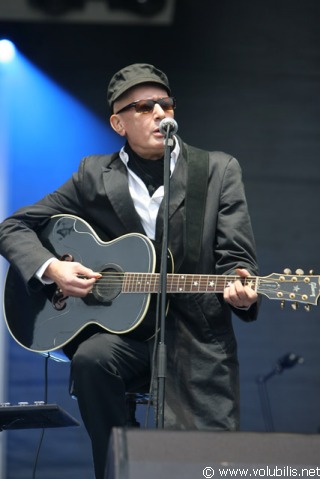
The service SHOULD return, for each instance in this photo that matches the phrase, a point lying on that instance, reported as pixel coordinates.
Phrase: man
(120, 194)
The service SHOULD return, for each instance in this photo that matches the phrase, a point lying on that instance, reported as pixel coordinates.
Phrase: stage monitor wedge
(142, 454)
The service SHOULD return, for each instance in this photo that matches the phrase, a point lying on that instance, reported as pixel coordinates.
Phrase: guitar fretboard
(181, 283)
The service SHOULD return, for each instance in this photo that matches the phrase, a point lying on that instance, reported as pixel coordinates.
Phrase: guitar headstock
(295, 288)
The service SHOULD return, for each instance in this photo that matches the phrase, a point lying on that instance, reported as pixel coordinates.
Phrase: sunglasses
(147, 106)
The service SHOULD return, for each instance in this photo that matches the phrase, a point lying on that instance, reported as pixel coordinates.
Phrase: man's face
(142, 129)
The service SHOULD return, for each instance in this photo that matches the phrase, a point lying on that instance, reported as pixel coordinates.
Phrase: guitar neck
(181, 283)
(297, 288)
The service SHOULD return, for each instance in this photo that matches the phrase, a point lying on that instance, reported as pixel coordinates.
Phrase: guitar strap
(197, 186)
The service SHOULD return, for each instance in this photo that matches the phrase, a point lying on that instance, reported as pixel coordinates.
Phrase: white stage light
(7, 51)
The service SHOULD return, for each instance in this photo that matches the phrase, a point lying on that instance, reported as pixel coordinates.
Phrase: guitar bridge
(59, 300)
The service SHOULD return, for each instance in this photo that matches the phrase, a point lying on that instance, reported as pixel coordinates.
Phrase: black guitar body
(43, 322)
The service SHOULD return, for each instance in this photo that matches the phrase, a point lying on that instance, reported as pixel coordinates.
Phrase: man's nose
(158, 111)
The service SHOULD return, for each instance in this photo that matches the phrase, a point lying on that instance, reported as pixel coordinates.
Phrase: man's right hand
(72, 278)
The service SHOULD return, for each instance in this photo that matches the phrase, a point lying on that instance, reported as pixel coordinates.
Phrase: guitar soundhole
(109, 286)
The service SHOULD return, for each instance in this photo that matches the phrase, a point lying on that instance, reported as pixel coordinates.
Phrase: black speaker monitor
(162, 454)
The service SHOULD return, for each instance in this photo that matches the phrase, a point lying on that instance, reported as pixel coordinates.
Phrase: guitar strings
(151, 280)
(179, 276)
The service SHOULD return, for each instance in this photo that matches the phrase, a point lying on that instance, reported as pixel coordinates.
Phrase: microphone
(168, 125)
(289, 360)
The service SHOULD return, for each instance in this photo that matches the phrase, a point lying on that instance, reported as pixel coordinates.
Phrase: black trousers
(103, 368)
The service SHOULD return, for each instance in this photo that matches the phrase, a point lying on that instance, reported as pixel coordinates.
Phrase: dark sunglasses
(147, 106)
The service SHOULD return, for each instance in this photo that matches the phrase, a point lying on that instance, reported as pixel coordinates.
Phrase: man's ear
(117, 125)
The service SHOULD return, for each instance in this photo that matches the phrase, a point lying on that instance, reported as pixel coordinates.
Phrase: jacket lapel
(116, 186)
(178, 183)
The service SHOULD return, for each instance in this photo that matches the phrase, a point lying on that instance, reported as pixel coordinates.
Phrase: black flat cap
(133, 75)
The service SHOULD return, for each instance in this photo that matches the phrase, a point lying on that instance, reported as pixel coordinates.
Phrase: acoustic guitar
(45, 321)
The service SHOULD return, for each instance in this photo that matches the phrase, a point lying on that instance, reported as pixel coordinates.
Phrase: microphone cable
(154, 363)
(35, 464)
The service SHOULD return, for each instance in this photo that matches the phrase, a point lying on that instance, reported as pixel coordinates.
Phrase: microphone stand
(162, 350)
(289, 360)
(264, 400)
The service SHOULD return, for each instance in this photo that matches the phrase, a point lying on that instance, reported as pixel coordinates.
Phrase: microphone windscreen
(168, 123)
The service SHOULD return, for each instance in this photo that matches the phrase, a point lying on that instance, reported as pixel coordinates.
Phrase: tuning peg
(282, 304)
(299, 271)
(311, 271)
(307, 307)
(287, 271)
(294, 306)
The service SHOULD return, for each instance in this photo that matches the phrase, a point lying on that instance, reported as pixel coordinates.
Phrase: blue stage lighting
(7, 51)
(45, 132)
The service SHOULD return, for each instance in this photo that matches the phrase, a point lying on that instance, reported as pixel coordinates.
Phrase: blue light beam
(47, 132)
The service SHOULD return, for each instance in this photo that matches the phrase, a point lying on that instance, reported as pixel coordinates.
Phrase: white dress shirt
(147, 206)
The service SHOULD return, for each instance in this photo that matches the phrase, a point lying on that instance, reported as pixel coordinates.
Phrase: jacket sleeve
(19, 242)
(235, 246)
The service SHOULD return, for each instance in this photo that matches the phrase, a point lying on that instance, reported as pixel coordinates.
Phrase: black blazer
(202, 348)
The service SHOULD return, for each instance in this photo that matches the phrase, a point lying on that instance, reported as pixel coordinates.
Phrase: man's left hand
(239, 295)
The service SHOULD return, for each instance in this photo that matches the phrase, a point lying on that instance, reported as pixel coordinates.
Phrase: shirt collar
(174, 154)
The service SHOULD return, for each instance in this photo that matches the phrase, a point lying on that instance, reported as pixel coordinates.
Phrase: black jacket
(202, 386)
